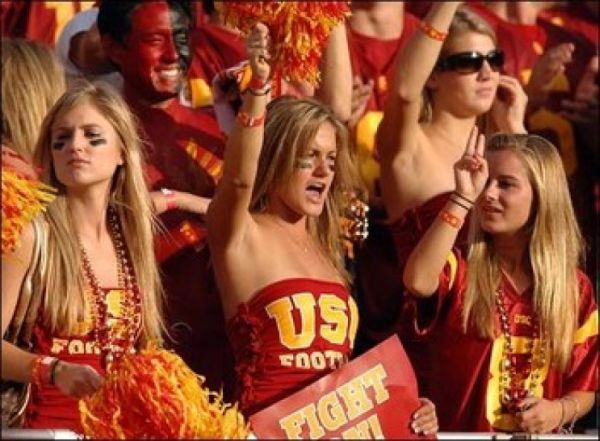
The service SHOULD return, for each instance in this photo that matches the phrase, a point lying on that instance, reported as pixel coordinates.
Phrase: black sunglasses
(470, 62)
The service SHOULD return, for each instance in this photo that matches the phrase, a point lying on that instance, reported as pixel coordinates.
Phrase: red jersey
(462, 370)
(48, 407)
(215, 48)
(381, 302)
(41, 20)
(185, 152)
(290, 334)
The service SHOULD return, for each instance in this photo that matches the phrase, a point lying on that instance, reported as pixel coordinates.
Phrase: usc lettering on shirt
(329, 317)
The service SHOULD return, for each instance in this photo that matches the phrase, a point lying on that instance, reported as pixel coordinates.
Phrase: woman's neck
(88, 214)
(512, 253)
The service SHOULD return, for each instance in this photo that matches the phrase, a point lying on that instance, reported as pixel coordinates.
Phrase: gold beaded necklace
(513, 378)
(114, 344)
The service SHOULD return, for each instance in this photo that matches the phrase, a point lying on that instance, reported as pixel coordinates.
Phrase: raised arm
(335, 89)
(228, 215)
(414, 65)
(425, 263)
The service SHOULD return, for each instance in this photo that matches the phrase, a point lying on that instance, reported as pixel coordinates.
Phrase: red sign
(373, 396)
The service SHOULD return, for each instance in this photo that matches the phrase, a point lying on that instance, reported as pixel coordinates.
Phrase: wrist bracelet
(432, 32)
(464, 198)
(257, 83)
(41, 370)
(170, 198)
(246, 120)
(53, 371)
(460, 204)
(574, 418)
(562, 416)
(258, 87)
(260, 92)
(450, 219)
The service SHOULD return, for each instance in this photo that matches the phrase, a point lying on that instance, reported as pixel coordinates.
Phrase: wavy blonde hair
(32, 80)
(464, 21)
(555, 251)
(291, 125)
(64, 303)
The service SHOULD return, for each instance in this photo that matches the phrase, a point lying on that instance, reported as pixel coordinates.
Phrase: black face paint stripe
(180, 25)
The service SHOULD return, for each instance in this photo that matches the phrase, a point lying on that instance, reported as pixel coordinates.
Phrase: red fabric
(184, 152)
(48, 407)
(522, 44)
(459, 368)
(40, 21)
(408, 230)
(215, 49)
(266, 358)
(381, 300)
(372, 58)
(575, 17)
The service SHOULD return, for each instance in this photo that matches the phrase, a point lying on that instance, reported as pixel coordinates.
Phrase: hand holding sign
(373, 396)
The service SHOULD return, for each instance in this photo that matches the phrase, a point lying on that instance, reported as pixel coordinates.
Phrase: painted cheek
(182, 48)
(180, 36)
(305, 163)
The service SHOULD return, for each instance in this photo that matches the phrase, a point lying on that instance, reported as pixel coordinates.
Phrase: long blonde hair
(555, 251)
(291, 125)
(64, 303)
(464, 21)
(32, 80)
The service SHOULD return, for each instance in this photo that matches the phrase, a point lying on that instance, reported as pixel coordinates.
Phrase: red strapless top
(290, 334)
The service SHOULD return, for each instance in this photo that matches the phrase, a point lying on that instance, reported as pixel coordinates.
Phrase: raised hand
(471, 171)
(552, 63)
(257, 46)
(583, 108)
(361, 92)
(76, 380)
(508, 109)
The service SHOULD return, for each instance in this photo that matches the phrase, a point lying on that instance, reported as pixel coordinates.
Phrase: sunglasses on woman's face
(470, 62)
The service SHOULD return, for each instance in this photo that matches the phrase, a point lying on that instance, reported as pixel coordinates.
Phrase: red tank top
(290, 334)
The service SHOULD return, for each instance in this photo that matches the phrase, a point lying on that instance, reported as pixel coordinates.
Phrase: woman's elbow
(418, 284)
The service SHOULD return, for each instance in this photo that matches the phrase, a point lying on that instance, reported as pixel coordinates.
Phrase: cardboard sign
(373, 396)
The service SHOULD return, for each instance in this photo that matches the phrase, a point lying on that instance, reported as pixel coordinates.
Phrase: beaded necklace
(513, 378)
(114, 344)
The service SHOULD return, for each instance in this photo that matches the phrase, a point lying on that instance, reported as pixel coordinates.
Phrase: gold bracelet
(574, 418)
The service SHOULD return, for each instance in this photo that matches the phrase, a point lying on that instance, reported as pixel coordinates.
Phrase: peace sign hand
(471, 171)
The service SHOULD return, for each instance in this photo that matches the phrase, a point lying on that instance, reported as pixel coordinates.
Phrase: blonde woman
(32, 81)
(446, 76)
(512, 328)
(100, 291)
(275, 243)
